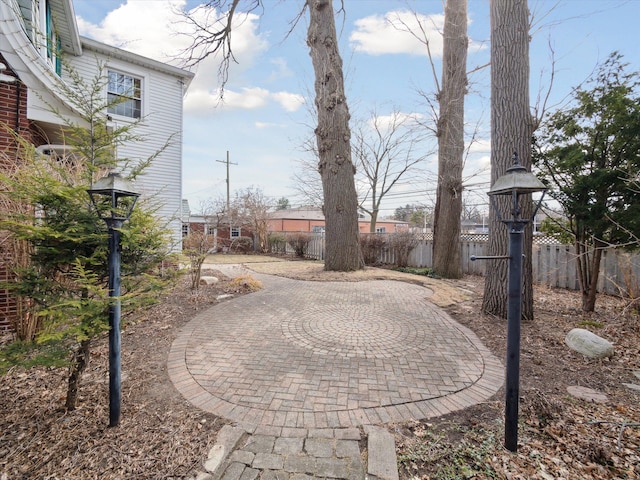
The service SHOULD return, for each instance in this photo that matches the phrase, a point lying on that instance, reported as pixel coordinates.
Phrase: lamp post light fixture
(114, 198)
(516, 182)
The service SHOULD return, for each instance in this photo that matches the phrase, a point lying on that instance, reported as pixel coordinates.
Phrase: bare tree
(448, 115)
(470, 211)
(511, 129)
(450, 132)
(255, 212)
(196, 246)
(306, 178)
(209, 29)
(215, 213)
(385, 151)
(333, 135)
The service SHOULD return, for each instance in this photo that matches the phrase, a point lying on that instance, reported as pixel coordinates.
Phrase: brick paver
(317, 355)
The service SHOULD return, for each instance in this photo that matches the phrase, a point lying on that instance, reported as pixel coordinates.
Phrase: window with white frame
(124, 94)
(209, 230)
(381, 229)
(52, 41)
(235, 232)
(185, 229)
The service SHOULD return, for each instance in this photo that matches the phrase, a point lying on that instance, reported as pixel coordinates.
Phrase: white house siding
(162, 90)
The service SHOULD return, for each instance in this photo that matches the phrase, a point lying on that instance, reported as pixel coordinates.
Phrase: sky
(266, 116)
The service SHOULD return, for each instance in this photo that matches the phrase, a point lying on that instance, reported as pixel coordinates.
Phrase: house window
(318, 229)
(235, 232)
(381, 229)
(124, 94)
(209, 230)
(185, 229)
(52, 40)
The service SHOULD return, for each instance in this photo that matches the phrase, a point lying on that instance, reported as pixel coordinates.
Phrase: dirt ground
(560, 436)
(162, 437)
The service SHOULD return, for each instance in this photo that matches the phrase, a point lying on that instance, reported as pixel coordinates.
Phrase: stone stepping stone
(382, 463)
(632, 386)
(587, 394)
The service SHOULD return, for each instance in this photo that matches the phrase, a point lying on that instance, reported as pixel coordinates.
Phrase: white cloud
(485, 162)
(481, 145)
(391, 33)
(247, 99)
(200, 101)
(262, 125)
(289, 101)
(281, 69)
(156, 29)
(386, 122)
(150, 28)
(143, 27)
(402, 31)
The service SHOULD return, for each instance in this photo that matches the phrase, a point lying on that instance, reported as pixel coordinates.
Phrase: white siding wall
(161, 185)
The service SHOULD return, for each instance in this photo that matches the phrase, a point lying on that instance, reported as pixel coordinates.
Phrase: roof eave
(147, 62)
(74, 34)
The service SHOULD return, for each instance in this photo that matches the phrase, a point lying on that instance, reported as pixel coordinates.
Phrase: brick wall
(13, 119)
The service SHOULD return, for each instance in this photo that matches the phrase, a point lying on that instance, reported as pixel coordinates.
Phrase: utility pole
(228, 163)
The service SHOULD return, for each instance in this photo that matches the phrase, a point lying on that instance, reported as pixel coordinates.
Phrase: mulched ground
(560, 436)
(160, 435)
(163, 437)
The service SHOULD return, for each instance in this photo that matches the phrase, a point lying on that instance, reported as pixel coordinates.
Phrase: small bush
(277, 242)
(424, 271)
(402, 244)
(245, 283)
(372, 246)
(241, 244)
(196, 245)
(299, 242)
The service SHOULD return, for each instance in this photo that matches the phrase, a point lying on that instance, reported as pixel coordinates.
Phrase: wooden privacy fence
(553, 264)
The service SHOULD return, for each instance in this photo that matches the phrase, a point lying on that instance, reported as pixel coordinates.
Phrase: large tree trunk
(446, 235)
(342, 244)
(511, 131)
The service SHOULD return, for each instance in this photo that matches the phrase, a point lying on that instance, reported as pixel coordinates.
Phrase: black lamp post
(516, 182)
(114, 199)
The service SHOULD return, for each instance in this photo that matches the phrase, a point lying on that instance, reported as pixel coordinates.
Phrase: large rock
(589, 344)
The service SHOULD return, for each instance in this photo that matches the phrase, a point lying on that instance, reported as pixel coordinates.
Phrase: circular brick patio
(331, 354)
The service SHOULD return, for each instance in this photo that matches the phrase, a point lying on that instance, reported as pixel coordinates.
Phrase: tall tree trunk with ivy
(333, 137)
(511, 131)
(447, 213)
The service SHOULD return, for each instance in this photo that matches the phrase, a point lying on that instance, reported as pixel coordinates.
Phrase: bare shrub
(402, 244)
(245, 283)
(299, 242)
(196, 245)
(277, 242)
(241, 244)
(373, 245)
(15, 256)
